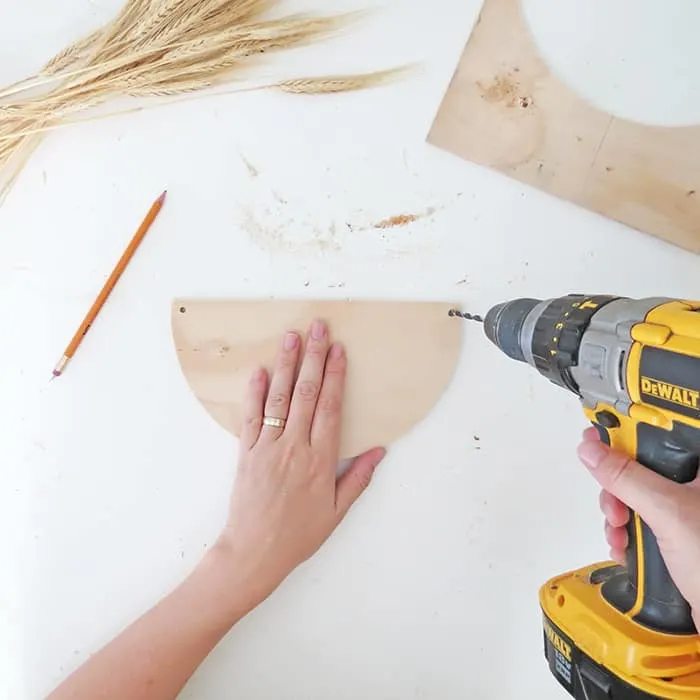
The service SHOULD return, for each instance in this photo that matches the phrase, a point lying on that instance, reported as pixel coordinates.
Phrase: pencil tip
(163, 196)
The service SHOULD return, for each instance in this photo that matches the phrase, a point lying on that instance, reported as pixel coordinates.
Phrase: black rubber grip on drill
(674, 455)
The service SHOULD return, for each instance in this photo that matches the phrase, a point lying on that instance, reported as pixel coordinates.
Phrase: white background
(114, 479)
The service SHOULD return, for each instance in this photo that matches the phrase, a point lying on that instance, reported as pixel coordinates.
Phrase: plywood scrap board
(506, 110)
(401, 357)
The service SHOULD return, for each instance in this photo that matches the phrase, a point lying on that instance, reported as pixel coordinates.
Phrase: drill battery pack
(582, 677)
(598, 653)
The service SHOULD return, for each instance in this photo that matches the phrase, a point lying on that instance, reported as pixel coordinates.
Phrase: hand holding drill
(671, 510)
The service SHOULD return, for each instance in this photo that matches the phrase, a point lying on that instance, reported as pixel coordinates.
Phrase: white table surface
(114, 479)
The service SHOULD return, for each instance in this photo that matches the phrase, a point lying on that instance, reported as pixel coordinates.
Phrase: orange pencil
(109, 285)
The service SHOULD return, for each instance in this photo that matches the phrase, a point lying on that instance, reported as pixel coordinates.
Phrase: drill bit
(464, 315)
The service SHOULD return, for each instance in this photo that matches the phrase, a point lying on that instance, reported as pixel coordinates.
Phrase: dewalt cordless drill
(612, 632)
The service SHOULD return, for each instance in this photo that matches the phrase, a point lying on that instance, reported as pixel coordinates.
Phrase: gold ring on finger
(271, 422)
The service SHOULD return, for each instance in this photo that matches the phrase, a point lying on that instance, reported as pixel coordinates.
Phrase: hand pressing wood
(401, 357)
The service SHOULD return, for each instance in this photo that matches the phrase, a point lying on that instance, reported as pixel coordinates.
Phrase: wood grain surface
(401, 357)
(506, 110)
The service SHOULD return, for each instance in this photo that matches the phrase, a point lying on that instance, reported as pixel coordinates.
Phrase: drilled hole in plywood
(637, 60)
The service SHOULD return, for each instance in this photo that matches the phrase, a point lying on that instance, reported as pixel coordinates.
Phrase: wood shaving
(403, 219)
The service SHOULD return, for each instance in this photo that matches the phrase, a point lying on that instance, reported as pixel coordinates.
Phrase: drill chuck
(545, 334)
(504, 324)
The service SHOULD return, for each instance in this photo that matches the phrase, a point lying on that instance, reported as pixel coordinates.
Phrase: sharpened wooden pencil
(109, 286)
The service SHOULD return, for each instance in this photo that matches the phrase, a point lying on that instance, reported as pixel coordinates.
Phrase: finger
(619, 556)
(617, 537)
(639, 488)
(325, 429)
(308, 384)
(278, 398)
(253, 409)
(356, 480)
(615, 511)
(591, 435)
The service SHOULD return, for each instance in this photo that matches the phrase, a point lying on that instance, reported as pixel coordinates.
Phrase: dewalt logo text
(557, 642)
(671, 392)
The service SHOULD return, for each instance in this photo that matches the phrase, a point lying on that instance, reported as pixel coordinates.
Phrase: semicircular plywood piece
(507, 110)
(401, 357)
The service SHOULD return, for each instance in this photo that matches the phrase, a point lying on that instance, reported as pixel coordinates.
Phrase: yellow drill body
(612, 632)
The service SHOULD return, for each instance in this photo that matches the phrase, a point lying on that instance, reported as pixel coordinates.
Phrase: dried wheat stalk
(159, 48)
